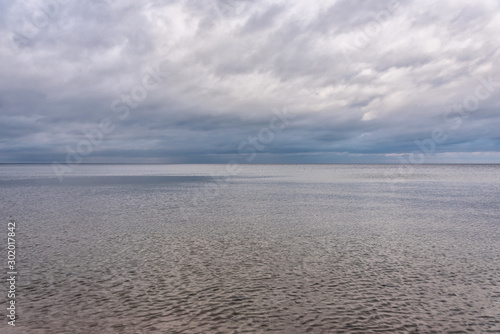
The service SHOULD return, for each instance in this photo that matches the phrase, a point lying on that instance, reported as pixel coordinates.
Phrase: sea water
(254, 248)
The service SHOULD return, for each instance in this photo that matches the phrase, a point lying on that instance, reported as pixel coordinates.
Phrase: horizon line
(225, 163)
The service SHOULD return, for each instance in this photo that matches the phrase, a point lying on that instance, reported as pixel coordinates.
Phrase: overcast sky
(203, 81)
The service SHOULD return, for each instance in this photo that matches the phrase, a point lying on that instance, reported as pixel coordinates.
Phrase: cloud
(365, 80)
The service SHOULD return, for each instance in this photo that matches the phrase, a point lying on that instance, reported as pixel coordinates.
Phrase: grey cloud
(231, 63)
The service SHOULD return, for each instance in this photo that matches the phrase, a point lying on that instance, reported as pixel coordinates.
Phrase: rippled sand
(276, 250)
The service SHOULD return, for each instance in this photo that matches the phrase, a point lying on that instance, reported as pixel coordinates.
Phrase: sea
(304, 248)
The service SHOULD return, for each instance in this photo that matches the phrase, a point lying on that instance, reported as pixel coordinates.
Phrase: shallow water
(274, 248)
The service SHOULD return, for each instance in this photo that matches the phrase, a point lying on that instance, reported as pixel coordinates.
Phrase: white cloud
(238, 60)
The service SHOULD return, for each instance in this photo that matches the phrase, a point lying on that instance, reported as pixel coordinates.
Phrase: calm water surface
(272, 249)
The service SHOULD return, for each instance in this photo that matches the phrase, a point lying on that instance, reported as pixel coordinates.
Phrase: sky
(214, 81)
